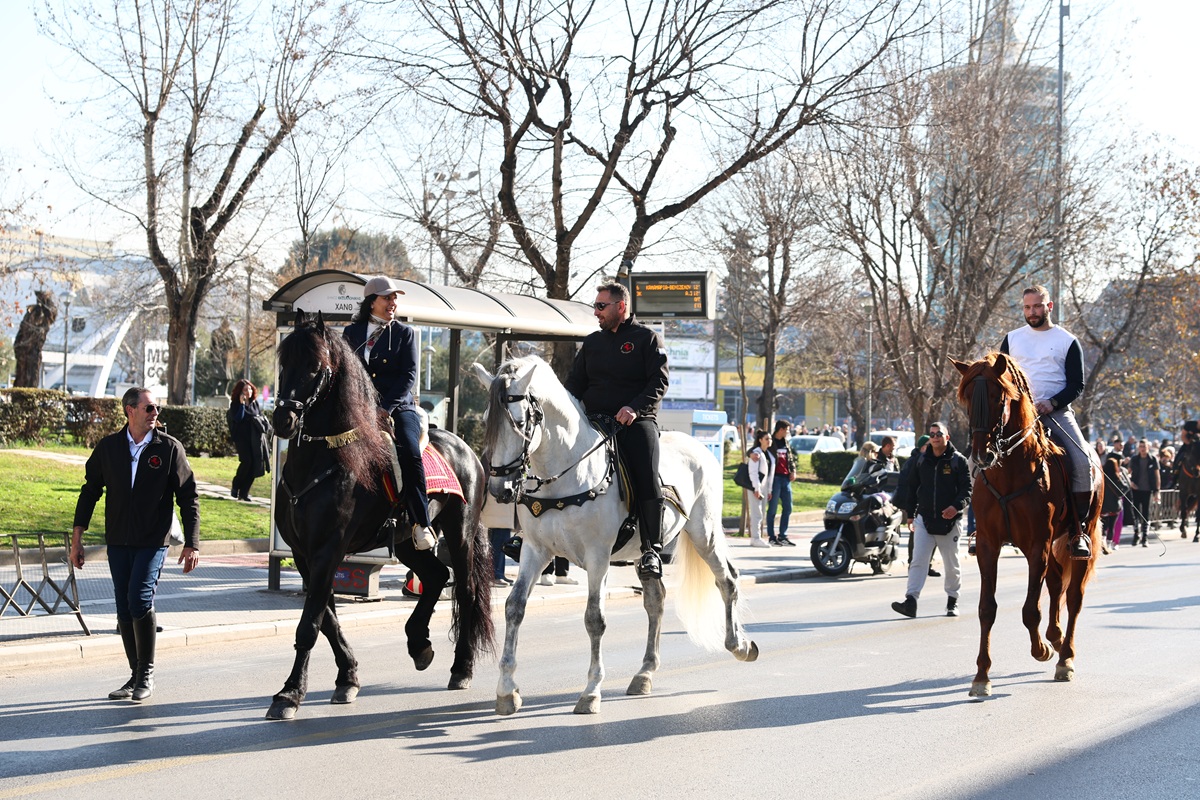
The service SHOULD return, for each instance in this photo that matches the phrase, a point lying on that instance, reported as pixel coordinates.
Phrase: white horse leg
(508, 696)
(593, 620)
(654, 596)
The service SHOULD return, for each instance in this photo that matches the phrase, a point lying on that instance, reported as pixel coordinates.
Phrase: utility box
(358, 579)
(708, 429)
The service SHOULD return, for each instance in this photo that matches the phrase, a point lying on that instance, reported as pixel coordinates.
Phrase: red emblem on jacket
(627, 347)
(154, 462)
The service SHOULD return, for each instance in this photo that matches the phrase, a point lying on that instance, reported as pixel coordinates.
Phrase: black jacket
(140, 516)
(251, 435)
(394, 361)
(625, 367)
(935, 483)
(1118, 485)
(1144, 473)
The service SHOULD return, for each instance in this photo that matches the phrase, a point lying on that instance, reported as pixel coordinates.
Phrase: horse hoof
(752, 653)
(981, 689)
(508, 705)
(1064, 673)
(458, 681)
(588, 704)
(640, 685)
(423, 659)
(1045, 653)
(281, 710)
(344, 695)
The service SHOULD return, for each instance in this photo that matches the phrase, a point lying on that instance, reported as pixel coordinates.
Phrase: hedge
(41, 415)
(833, 467)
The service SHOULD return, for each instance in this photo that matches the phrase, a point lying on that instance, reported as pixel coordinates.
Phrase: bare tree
(201, 94)
(567, 124)
(944, 197)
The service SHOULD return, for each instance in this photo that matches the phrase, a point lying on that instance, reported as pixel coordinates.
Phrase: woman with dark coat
(389, 350)
(251, 433)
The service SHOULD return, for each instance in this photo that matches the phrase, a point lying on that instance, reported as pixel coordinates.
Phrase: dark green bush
(90, 419)
(200, 429)
(31, 415)
(832, 467)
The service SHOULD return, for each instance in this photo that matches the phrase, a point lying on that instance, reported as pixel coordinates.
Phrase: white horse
(542, 448)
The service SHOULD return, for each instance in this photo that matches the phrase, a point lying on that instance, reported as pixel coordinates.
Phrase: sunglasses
(602, 306)
(151, 408)
(936, 435)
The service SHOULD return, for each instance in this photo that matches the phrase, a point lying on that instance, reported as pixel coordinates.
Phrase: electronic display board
(674, 295)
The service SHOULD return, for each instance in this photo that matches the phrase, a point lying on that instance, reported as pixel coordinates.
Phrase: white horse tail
(698, 602)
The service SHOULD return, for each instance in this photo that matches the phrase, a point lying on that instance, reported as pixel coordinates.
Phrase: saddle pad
(439, 477)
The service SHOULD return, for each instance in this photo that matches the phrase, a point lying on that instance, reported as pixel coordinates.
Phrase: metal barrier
(1164, 510)
(56, 594)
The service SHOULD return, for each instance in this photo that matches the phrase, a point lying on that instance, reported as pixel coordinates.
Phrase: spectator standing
(1114, 492)
(143, 470)
(1143, 478)
(939, 489)
(781, 485)
(761, 467)
(1166, 468)
(250, 432)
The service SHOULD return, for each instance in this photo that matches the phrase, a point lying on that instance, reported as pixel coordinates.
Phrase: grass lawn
(807, 493)
(38, 496)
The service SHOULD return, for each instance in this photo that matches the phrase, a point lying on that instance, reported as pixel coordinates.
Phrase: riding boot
(1081, 544)
(127, 639)
(650, 521)
(145, 633)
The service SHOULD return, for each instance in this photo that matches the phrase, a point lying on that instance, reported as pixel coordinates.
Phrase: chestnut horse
(1022, 495)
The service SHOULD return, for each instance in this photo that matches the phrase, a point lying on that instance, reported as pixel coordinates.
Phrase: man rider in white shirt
(1053, 362)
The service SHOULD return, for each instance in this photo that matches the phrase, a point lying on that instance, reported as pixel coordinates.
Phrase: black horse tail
(471, 560)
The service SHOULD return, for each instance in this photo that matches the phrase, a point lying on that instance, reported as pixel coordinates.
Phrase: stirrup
(1081, 548)
(650, 565)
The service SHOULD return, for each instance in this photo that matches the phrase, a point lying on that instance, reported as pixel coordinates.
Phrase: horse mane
(1014, 385)
(354, 398)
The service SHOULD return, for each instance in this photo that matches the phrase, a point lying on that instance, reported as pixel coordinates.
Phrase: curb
(108, 645)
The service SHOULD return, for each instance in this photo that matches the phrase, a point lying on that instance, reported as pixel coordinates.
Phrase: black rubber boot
(908, 608)
(127, 639)
(1081, 545)
(145, 632)
(650, 522)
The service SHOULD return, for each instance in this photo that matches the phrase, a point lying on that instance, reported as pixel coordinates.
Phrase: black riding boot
(1081, 545)
(650, 522)
(145, 632)
(127, 639)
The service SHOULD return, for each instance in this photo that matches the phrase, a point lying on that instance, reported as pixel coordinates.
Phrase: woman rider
(389, 350)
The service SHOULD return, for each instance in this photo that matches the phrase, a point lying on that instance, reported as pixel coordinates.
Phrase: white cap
(381, 285)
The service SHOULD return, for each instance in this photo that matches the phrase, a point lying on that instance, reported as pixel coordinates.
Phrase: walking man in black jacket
(143, 469)
(939, 489)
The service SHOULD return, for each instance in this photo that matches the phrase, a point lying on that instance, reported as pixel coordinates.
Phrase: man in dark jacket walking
(1144, 480)
(939, 489)
(143, 469)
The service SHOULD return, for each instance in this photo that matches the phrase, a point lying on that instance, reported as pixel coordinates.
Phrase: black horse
(1187, 478)
(332, 501)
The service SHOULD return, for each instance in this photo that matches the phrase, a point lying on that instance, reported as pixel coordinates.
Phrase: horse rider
(621, 370)
(1053, 362)
(389, 350)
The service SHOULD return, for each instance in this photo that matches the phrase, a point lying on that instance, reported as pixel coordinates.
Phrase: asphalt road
(847, 700)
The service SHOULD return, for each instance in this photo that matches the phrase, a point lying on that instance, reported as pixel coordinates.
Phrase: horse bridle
(322, 380)
(519, 466)
(997, 444)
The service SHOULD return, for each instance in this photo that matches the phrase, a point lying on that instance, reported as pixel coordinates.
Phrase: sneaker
(546, 580)
(423, 538)
(650, 564)
(908, 608)
(565, 580)
(501, 583)
(759, 543)
(783, 540)
(775, 543)
(933, 573)
(951, 606)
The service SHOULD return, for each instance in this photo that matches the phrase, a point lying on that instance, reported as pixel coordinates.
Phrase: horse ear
(482, 374)
(300, 319)
(961, 366)
(1002, 365)
(320, 322)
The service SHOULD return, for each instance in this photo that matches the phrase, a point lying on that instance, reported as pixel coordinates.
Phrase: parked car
(905, 441)
(808, 443)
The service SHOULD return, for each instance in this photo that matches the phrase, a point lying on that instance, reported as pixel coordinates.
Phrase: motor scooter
(859, 528)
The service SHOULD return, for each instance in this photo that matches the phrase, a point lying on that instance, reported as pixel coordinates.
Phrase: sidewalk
(226, 599)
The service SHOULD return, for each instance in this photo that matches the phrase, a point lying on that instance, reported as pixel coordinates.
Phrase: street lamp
(1064, 11)
(869, 306)
(66, 298)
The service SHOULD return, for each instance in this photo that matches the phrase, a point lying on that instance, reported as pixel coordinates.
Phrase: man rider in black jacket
(621, 370)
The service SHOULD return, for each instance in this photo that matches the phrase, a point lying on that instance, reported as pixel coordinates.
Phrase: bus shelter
(510, 317)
